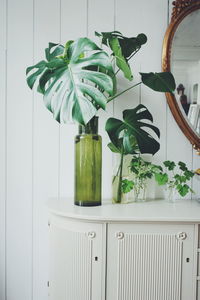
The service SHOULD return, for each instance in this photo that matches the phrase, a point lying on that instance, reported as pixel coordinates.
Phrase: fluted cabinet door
(150, 262)
(76, 254)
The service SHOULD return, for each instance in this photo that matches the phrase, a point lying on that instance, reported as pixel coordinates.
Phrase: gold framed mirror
(181, 56)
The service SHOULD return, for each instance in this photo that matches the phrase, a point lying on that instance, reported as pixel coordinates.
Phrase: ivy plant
(141, 171)
(175, 176)
(78, 79)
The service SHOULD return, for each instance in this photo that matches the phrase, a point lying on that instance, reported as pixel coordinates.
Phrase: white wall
(36, 154)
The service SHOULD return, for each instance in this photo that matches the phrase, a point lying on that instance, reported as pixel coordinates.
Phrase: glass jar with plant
(130, 137)
(142, 171)
(175, 179)
(78, 79)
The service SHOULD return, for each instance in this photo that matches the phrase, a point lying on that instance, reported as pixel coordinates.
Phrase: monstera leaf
(128, 45)
(42, 65)
(159, 82)
(124, 135)
(72, 89)
(122, 47)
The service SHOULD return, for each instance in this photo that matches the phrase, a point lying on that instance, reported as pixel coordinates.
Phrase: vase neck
(90, 128)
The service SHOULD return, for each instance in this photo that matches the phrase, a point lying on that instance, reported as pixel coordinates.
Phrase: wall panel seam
(87, 17)
(59, 129)
(166, 105)
(5, 212)
(6, 144)
(113, 102)
(33, 158)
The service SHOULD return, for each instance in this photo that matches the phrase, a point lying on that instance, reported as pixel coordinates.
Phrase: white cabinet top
(149, 211)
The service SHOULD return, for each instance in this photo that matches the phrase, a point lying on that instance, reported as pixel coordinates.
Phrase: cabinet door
(150, 262)
(76, 254)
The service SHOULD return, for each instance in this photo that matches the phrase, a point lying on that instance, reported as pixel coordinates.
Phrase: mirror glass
(185, 66)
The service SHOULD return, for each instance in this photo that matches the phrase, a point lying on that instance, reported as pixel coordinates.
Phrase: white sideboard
(138, 251)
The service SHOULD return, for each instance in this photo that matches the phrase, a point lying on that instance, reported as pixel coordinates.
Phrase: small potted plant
(174, 178)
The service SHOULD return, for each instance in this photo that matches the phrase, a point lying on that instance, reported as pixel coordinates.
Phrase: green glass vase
(88, 165)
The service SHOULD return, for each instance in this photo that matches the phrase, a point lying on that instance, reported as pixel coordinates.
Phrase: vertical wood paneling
(71, 268)
(178, 147)
(127, 13)
(33, 139)
(101, 19)
(74, 272)
(149, 262)
(149, 267)
(155, 102)
(128, 22)
(3, 146)
(46, 147)
(73, 26)
(19, 152)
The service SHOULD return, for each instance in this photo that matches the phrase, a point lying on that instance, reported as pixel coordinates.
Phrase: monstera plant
(79, 78)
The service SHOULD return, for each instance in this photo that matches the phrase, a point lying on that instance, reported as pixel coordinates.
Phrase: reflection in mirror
(185, 66)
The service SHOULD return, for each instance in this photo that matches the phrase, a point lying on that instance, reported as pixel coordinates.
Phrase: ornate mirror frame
(181, 8)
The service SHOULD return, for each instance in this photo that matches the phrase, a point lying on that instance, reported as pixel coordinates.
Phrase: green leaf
(57, 50)
(113, 148)
(122, 47)
(182, 166)
(113, 128)
(188, 174)
(67, 45)
(130, 145)
(132, 131)
(183, 179)
(160, 82)
(71, 89)
(161, 178)
(134, 125)
(142, 169)
(170, 165)
(107, 36)
(120, 59)
(183, 189)
(128, 45)
(55, 63)
(156, 168)
(127, 185)
(31, 79)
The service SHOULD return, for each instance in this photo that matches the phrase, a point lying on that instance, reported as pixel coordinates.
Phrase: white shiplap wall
(36, 154)
(3, 131)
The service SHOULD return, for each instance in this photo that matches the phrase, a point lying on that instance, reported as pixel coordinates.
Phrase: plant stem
(133, 54)
(115, 96)
(119, 188)
(114, 177)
